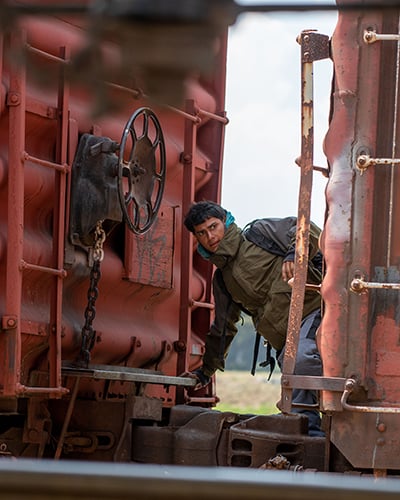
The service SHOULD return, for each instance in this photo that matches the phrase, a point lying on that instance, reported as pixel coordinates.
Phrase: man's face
(209, 233)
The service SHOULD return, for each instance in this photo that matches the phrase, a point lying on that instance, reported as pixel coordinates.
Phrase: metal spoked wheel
(141, 170)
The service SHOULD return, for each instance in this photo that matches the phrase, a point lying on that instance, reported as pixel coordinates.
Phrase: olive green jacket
(250, 278)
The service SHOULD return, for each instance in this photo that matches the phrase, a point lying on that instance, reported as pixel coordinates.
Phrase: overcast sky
(260, 178)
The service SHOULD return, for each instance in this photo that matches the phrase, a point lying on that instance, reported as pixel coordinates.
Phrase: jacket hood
(228, 246)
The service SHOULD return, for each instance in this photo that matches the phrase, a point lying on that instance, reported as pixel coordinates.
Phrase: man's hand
(287, 270)
(202, 379)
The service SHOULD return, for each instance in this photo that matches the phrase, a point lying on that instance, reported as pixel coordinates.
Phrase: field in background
(241, 392)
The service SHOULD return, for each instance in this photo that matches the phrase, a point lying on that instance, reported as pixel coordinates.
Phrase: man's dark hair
(201, 211)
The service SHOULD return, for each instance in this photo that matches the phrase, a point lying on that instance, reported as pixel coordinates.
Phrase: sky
(263, 103)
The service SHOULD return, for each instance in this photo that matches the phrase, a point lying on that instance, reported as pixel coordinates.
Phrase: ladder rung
(57, 272)
(372, 37)
(44, 163)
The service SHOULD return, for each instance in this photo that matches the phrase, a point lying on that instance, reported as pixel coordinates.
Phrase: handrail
(350, 384)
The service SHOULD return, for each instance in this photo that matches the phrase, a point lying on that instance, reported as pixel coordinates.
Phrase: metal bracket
(307, 382)
(314, 46)
(9, 322)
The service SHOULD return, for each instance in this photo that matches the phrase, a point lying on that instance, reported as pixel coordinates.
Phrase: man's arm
(221, 334)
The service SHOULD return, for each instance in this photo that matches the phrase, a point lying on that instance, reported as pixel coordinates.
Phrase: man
(251, 279)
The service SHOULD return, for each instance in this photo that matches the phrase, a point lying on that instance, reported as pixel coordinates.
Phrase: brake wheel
(141, 170)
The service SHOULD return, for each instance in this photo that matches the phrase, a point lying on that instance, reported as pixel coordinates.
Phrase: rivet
(381, 427)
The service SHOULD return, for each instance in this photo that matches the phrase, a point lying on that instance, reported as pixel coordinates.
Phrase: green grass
(245, 409)
(240, 392)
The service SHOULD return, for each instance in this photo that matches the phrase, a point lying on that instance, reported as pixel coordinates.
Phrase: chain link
(88, 333)
(99, 239)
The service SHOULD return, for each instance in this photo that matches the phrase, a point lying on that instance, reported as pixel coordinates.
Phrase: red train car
(95, 270)
(107, 136)
(359, 334)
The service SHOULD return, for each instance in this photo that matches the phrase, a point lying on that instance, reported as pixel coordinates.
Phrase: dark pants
(308, 362)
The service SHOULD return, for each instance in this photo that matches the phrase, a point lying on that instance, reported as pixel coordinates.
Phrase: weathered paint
(359, 333)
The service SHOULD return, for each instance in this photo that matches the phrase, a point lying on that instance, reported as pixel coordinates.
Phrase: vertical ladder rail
(11, 337)
(193, 115)
(11, 321)
(188, 193)
(59, 226)
(314, 46)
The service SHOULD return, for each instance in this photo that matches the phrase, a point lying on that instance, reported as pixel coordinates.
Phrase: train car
(361, 241)
(101, 154)
(112, 124)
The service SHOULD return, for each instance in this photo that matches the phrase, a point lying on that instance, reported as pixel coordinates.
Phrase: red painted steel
(140, 303)
(11, 348)
(155, 300)
(359, 333)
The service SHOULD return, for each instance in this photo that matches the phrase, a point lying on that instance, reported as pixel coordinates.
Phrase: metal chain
(88, 333)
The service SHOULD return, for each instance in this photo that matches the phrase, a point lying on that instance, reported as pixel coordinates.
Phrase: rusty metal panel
(359, 331)
(367, 440)
(149, 258)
